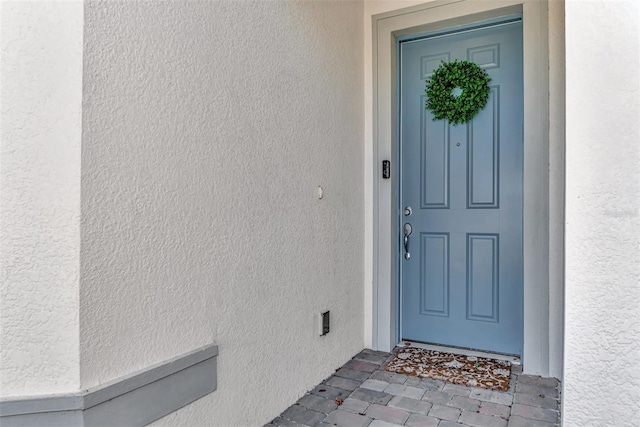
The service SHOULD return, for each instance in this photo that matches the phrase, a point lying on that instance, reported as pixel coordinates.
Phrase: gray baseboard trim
(134, 400)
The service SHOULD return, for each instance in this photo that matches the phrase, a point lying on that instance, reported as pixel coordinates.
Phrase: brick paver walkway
(370, 396)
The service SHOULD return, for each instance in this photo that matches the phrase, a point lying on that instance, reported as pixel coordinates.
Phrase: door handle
(407, 232)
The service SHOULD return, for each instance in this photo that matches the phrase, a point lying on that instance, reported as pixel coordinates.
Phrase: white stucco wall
(602, 329)
(41, 95)
(207, 129)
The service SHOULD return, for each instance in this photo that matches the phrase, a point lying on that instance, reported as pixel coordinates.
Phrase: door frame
(441, 15)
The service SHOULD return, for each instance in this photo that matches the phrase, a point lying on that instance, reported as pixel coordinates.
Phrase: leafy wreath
(464, 75)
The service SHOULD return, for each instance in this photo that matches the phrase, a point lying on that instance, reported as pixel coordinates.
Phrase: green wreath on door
(467, 78)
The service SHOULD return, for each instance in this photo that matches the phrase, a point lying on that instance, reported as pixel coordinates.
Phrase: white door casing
(441, 15)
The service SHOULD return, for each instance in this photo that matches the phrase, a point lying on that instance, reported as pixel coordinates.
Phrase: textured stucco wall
(207, 128)
(602, 329)
(41, 92)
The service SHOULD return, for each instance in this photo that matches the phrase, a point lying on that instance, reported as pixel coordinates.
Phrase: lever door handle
(407, 232)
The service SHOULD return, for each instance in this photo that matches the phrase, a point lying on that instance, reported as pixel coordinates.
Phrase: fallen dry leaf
(339, 401)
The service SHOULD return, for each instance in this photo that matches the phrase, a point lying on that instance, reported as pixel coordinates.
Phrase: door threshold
(514, 360)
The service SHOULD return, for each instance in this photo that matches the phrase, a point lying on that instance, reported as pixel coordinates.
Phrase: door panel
(434, 166)
(434, 274)
(482, 277)
(482, 156)
(462, 285)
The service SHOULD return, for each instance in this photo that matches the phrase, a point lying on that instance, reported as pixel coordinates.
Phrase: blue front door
(461, 193)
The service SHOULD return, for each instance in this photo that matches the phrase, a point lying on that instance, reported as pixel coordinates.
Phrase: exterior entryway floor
(370, 396)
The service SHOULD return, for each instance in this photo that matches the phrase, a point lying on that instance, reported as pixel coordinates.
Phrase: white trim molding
(448, 14)
(134, 400)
